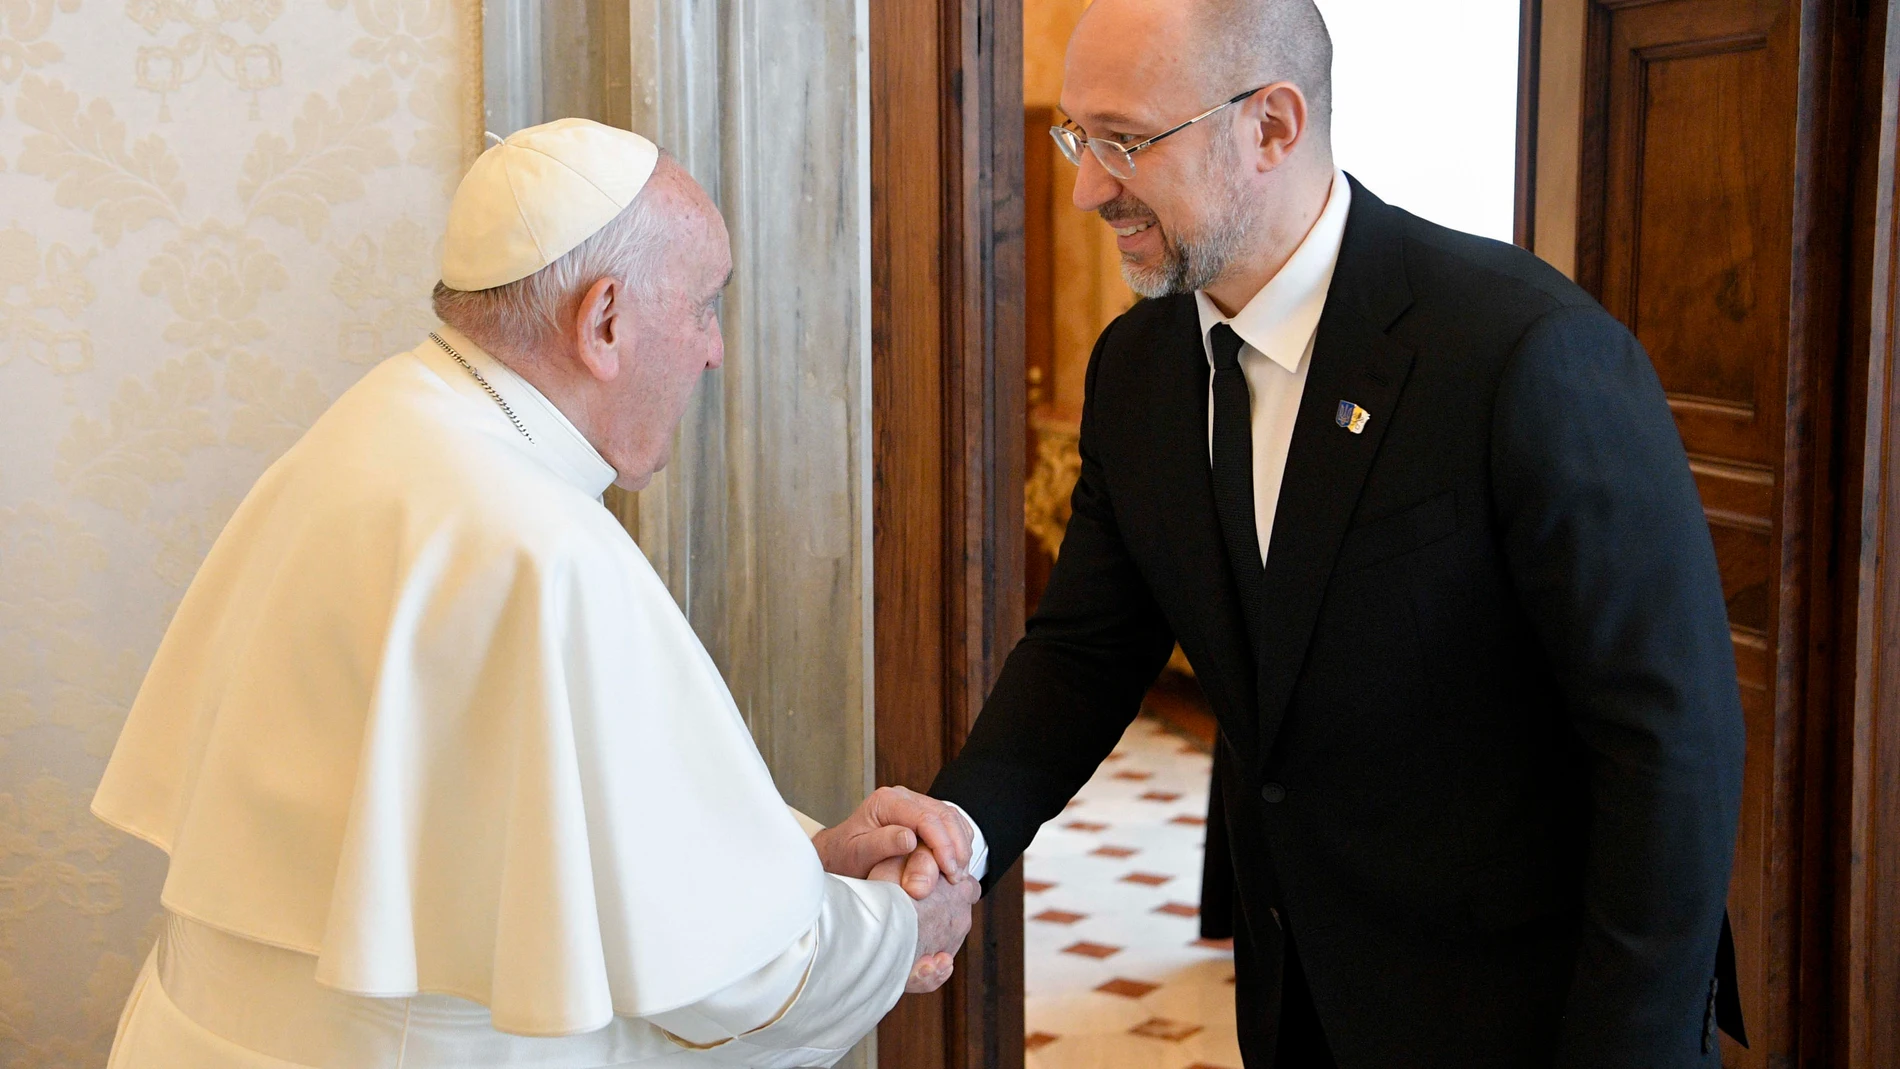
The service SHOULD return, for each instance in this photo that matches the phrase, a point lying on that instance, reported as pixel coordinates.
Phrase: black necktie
(1233, 465)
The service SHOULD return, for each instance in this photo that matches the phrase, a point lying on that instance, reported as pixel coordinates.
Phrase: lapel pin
(1352, 417)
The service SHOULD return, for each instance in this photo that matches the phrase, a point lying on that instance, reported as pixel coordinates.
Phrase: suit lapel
(1185, 494)
(1354, 361)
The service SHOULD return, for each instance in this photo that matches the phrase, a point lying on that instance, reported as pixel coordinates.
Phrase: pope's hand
(891, 824)
(943, 920)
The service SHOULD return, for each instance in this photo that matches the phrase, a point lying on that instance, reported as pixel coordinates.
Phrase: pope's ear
(601, 322)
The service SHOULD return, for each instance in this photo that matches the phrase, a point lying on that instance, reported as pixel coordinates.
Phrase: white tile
(1093, 1027)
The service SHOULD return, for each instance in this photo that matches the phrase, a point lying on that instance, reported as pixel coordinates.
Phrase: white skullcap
(536, 195)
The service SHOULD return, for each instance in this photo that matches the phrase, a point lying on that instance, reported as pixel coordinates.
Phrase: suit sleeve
(1075, 681)
(1610, 555)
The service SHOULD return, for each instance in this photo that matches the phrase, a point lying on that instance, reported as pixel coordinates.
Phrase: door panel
(1708, 153)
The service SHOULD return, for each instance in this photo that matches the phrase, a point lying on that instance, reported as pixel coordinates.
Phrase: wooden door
(1713, 220)
(947, 428)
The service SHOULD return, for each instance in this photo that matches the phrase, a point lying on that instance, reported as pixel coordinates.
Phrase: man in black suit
(1415, 508)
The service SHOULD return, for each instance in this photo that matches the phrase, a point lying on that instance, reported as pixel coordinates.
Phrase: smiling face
(1185, 214)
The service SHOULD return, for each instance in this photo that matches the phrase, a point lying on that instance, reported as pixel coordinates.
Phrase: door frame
(1864, 935)
(947, 285)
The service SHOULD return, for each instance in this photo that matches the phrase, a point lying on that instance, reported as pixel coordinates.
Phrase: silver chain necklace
(470, 368)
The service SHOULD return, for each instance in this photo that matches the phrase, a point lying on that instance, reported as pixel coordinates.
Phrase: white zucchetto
(535, 196)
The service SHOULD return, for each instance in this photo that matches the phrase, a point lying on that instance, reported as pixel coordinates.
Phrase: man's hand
(891, 824)
(943, 920)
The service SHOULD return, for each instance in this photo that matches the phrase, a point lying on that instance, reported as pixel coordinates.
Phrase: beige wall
(213, 219)
(1088, 291)
(1559, 112)
(1046, 26)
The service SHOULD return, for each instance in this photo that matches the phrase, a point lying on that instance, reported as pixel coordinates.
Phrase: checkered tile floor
(1116, 977)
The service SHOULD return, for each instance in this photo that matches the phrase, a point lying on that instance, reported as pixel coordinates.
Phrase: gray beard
(1193, 262)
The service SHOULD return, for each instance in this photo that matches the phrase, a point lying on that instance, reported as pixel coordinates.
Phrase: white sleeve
(979, 846)
(813, 1002)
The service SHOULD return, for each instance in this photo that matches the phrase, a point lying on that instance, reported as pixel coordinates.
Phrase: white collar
(557, 443)
(1280, 320)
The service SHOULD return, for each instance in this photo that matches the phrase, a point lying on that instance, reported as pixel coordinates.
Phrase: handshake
(924, 846)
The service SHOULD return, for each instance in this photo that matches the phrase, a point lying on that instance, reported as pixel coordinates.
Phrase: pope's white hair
(529, 311)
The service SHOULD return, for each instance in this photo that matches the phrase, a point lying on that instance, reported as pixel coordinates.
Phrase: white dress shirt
(1278, 326)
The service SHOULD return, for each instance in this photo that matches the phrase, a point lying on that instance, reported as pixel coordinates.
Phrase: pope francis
(444, 776)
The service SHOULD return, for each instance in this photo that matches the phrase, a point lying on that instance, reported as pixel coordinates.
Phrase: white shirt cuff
(979, 846)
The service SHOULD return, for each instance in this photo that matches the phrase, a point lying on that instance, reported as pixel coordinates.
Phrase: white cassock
(446, 779)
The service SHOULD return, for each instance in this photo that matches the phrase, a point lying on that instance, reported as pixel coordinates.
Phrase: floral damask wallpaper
(214, 216)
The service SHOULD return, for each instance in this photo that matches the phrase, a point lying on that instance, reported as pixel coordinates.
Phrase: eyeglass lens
(1113, 157)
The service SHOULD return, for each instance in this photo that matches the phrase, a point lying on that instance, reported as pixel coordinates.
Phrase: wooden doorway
(947, 397)
(1785, 393)
(1722, 175)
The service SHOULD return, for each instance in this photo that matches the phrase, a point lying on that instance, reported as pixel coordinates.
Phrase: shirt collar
(557, 442)
(1280, 320)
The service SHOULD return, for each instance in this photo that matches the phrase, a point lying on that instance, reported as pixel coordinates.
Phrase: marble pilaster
(761, 525)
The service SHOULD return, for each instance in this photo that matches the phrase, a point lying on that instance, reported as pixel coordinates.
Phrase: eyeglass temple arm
(1132, 149)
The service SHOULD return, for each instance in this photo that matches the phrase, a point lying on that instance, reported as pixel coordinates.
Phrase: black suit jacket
(1481, 753)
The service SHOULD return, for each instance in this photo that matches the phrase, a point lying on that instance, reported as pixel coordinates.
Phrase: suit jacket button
(1273, 793)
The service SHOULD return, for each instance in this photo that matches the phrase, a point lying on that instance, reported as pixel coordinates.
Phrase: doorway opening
(1127, 931)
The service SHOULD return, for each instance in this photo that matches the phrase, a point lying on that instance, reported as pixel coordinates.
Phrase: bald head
(1205, 51)
(1246, 43)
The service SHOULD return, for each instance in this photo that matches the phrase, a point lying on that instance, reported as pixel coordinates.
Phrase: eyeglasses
(1115, 157)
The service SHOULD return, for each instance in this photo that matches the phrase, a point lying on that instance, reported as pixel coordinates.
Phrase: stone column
(761, 525)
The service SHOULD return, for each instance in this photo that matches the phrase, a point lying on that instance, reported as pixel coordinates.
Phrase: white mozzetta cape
(427, 713)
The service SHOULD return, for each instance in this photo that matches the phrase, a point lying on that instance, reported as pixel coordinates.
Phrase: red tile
(1126, 988)
(1057, 916)
(1161, 796)
(1162, 1028)
(1114, 851)
(1179, 909)
(1134, 775)
(1146, 879)
(1187, 821)
(1036, 887)
(1092, 950)
(1037, 1040)
(1085, 825)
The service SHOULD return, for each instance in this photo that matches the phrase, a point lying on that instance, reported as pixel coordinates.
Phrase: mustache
(1127, 208)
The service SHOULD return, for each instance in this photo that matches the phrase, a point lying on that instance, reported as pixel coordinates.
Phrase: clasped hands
(922, 845)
